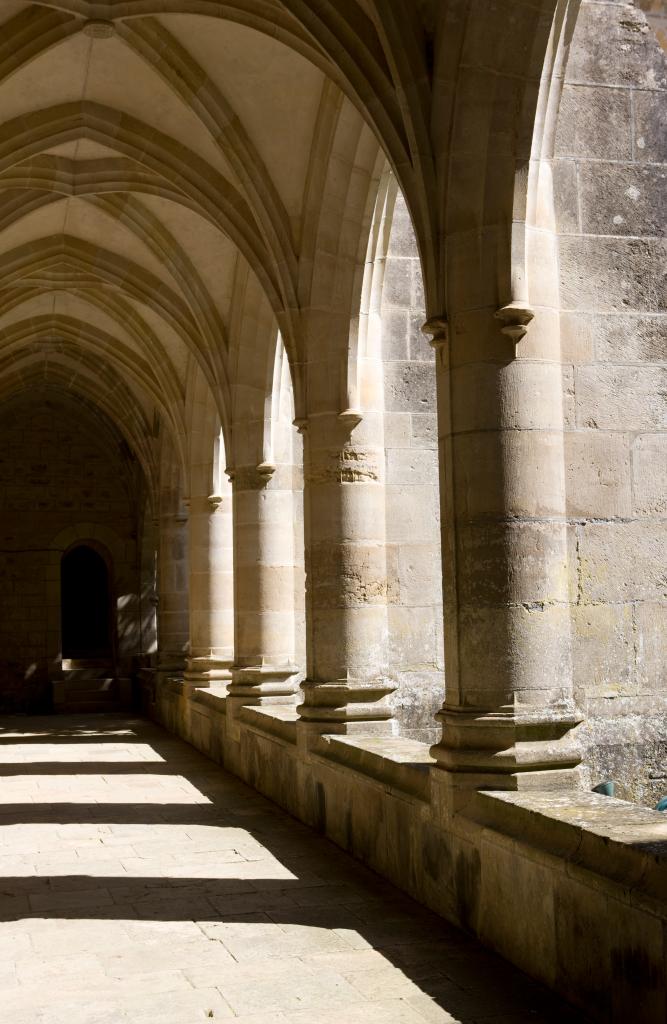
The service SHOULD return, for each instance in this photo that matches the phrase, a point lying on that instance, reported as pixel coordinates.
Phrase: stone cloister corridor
(333, 502)
(141, 883)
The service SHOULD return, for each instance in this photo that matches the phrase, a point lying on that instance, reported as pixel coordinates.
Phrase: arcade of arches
(332, 377)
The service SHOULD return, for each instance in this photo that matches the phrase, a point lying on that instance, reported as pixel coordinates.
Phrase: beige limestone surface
(142, 883)
(223, 228)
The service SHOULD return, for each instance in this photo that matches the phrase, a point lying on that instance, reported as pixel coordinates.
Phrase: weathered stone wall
(610, 179)
(59, 469)
(584, 864)
(413, 539)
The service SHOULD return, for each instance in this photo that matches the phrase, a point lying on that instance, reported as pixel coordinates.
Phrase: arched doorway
(86, 609)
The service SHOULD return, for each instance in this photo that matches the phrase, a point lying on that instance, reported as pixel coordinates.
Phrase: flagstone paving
(141, 884)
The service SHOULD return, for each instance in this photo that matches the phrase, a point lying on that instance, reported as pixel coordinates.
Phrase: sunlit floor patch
(173, 894)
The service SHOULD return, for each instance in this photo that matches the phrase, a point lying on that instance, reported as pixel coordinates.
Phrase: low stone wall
(570, 887)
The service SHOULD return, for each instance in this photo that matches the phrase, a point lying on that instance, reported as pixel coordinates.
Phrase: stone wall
(61, 470)
(568, 886)
(411, 442)
(610, 177)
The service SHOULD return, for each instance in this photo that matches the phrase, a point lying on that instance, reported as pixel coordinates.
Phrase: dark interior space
(85, 604)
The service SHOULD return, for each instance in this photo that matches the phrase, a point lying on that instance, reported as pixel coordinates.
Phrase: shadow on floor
(327, 889)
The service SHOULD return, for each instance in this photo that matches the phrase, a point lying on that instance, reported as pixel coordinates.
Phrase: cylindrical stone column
(172, 603)
(346, 571)
(263, 671)
(211, 590)
(509, 709)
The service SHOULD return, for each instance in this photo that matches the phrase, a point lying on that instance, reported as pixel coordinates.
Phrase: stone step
(75, 707)
(79, 685)
(89, 673)
(103, 696)
(91, 667)
(87, 695)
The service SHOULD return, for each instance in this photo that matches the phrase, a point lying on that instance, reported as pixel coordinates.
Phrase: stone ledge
(619, 842)
(277, 720)
(401, 763)
(587, 870)
(213, 696)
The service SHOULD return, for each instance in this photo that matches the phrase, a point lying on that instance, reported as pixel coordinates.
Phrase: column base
(263, 684)
(510, 747)
(345, 708)
(207, 670)
(170, 663)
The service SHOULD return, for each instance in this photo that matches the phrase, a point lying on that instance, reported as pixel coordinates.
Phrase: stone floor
(140, 883)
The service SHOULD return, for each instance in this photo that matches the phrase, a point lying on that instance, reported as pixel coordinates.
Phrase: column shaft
(509, 707)
(264, 669)
(211, 590)
(172, 609)
(347, 686)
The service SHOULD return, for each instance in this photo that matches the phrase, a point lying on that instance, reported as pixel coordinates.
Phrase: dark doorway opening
(86, 612)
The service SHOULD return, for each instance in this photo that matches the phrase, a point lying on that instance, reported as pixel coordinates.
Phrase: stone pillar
(172, 605)
(509, 709)
(211, 590)
(347, 685)
(148, 569)
(263, 671)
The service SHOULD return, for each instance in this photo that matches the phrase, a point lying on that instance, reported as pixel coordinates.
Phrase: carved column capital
(351, 418)
(515, 318)
(252, 478)
(438, 328)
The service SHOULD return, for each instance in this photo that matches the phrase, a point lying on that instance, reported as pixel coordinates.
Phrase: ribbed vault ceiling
(182, 179)
(154, 157)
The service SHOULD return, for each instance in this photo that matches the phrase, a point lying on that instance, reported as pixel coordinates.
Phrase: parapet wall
(571, 887)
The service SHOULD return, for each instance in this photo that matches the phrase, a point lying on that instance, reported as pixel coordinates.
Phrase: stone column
(263, 671)
(509, 709)
(347, 685)
(211, 590)
(172, 605)
(148, 592)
